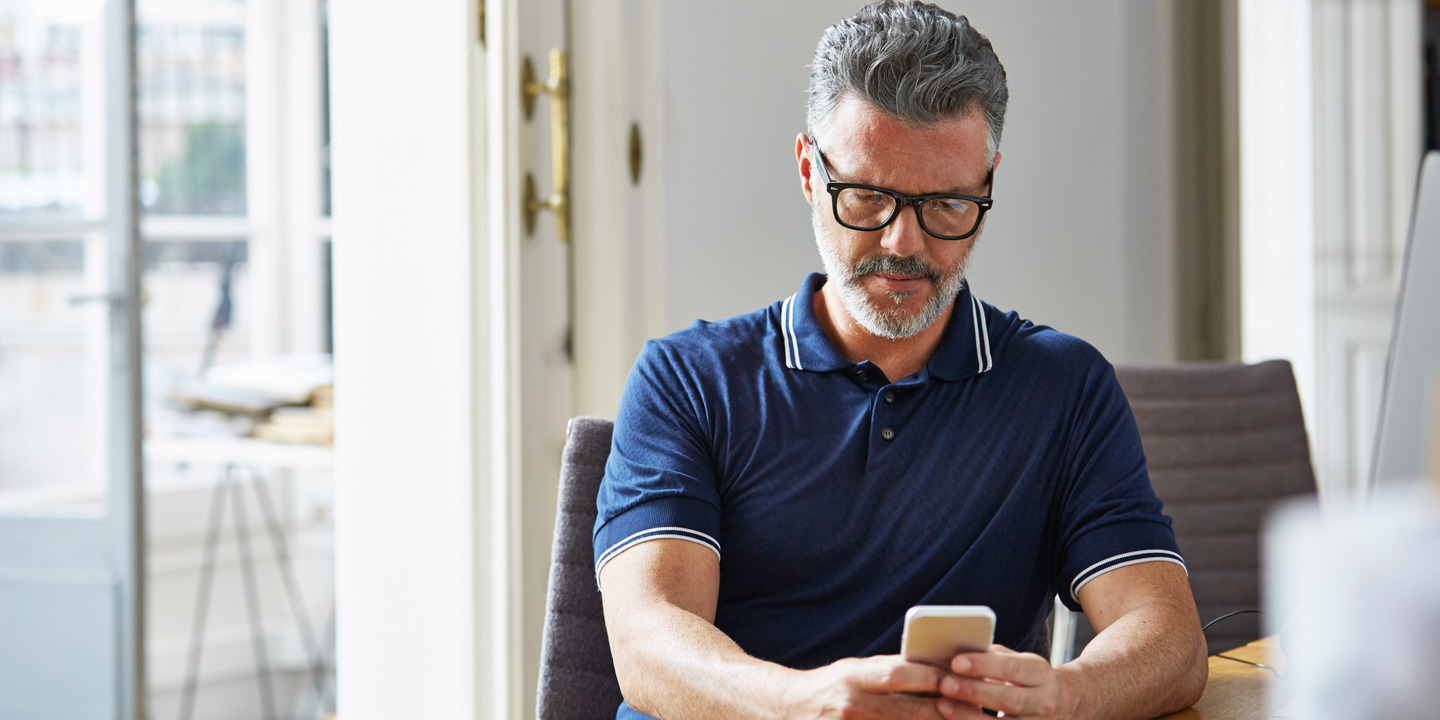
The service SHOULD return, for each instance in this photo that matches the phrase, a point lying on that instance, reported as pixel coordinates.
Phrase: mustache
(893, 265)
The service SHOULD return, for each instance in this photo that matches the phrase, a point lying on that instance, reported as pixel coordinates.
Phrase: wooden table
(1237, 691)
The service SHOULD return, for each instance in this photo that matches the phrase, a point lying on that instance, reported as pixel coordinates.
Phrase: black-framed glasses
(868, 207)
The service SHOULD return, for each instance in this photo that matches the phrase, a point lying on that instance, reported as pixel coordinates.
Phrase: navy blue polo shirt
(1006, 471)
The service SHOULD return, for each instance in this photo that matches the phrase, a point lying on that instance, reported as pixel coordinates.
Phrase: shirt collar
(964, 349)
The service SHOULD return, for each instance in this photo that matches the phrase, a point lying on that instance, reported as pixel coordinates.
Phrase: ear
(803, 165)
(993, 167)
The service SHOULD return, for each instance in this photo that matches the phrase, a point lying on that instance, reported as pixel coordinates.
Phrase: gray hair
(913, 61)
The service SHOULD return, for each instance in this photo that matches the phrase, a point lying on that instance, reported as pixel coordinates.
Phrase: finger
(911, 706)
(891, 674)
(1025, 669)
(957, 710)
(1011, 700)
(873, 705)
(892, 705)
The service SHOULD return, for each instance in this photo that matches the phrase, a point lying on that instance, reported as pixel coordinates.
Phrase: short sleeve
(1111, 517)
(659, 479)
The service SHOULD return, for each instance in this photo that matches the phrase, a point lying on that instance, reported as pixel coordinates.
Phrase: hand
(870, 687)
(1020, 685)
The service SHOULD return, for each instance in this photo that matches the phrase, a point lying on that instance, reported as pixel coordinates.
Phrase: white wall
(407, 410)
(1079, 238)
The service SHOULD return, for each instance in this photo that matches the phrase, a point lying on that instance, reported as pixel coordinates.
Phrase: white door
(70, 529)
(546, 346)
(1330, 110)
(1367, 157)
(586, 302)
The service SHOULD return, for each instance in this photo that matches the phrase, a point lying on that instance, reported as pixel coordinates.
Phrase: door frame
(424, 319)
(127, 486)
(79, 547)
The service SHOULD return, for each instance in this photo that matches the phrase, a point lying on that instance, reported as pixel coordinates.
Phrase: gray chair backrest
(1223, 443)
(577, 674)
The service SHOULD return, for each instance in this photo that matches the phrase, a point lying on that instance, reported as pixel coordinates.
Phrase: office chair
(1223, 443)
(577, 674)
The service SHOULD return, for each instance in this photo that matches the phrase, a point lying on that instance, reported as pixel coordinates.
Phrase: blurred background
(231, 203)
(183, 279)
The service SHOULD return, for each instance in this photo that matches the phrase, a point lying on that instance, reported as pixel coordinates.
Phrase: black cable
(1230, 615)
(1275, 672)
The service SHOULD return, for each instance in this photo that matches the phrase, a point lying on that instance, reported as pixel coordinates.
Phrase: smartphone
(935, 634)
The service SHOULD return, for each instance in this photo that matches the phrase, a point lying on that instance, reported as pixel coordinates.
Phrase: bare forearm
(673, 664)
(1139, 667)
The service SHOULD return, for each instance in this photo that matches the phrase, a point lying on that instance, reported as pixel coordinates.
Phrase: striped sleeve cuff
(1110, 547)
(1122, 560)
(675, 518)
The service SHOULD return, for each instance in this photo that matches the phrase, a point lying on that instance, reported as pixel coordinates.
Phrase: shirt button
(888, 434)
(861, 374)
(890, 397)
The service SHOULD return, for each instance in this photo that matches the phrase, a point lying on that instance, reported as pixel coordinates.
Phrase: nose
(904, 236)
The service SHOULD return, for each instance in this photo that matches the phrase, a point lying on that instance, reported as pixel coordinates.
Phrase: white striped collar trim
(984, 360)
(982, 335)
(1116, 562)
(787, 331)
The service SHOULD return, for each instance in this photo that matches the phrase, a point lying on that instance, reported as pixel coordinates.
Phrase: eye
(949, 207)
(860, 197)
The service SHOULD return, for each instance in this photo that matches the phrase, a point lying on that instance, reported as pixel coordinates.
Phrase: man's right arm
(673, 663)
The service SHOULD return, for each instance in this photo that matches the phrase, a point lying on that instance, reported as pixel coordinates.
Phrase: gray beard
(881, 320)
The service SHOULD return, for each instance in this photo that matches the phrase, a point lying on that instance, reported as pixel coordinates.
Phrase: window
(52, 348)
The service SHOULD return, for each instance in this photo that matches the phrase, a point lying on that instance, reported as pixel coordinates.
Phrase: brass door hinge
(637, 153)
(557, 88)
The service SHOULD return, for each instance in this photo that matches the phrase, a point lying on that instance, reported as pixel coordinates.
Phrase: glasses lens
(863, 208)
(950, 217)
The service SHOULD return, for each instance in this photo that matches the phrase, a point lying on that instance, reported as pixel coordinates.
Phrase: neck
(897, 358)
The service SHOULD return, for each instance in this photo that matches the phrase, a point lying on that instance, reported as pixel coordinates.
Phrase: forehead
(865, 145)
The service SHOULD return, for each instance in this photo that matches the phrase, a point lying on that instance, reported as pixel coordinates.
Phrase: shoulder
(1031, 347)
(1048, 368)
(694, 374)
(724, 347)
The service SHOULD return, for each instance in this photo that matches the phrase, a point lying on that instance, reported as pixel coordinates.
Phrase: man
(783, 485)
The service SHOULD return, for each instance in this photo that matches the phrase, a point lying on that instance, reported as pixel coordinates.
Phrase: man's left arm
(1148, 657)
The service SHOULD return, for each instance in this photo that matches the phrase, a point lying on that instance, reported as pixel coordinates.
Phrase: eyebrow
(956, 190)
